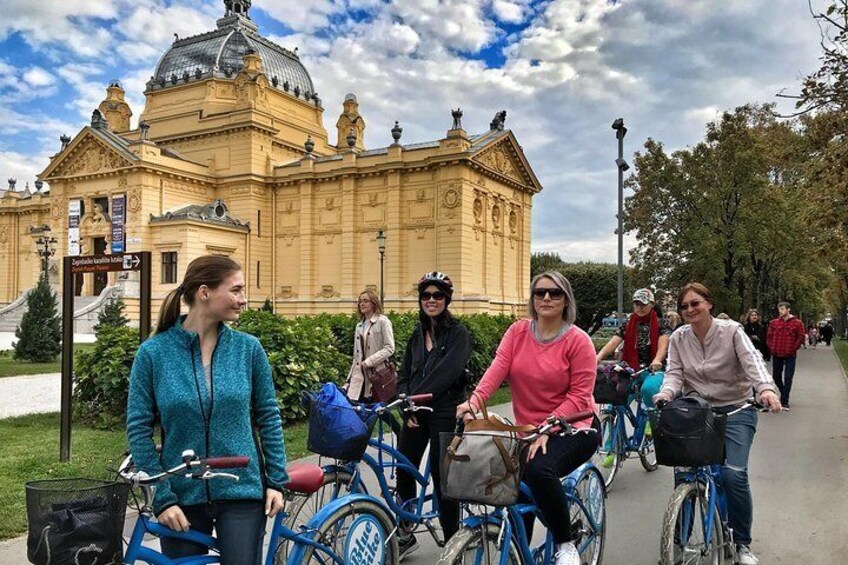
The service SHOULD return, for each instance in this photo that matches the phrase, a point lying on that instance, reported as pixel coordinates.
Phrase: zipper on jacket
(206, 419)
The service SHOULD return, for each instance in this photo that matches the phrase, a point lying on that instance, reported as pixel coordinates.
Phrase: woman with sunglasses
(551, 368)
(434, 362)
(645, 338)
(716, 359)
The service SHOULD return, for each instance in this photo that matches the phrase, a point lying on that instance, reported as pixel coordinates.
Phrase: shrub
(102, 377)
(486, 333)
(40, 333)
(112, 315)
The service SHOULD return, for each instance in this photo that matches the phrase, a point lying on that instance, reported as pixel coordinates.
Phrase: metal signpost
(94, 264)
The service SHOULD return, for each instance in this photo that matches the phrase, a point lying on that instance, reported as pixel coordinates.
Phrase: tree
(112, 315)
(40, 332)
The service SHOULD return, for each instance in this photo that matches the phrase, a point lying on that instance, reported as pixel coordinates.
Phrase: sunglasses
(554, 293)
(687, 305)
(438, 295)
(364, 301)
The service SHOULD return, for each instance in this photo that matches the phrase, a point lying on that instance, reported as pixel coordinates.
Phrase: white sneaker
(566, 554)
(744, 556)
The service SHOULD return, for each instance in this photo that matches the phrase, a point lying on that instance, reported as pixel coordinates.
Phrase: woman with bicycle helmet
(716, 359)
(551, 368)
(434, 362)
(209, 388)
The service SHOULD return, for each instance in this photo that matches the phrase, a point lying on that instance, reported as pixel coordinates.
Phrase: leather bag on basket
(483, 463)
(383, 379)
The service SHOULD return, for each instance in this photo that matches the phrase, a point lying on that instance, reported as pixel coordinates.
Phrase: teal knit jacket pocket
(237, 416)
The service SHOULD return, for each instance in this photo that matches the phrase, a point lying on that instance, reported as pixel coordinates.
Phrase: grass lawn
(9, 367)
(841, 347)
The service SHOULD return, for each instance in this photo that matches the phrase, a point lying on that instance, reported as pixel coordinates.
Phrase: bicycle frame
(710, 477)
(511, 521)
(136, 551)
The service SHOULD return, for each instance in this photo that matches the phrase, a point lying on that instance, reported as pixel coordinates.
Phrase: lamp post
(46, 250)
(621, 165)
(381, 245)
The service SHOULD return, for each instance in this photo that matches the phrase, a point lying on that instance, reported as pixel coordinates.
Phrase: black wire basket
(75, 521)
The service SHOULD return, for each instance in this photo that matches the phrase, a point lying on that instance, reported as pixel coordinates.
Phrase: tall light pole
(381, 245)
(621, 165)
(46, 250)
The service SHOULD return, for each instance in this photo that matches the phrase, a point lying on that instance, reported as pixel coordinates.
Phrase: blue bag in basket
(336, 428)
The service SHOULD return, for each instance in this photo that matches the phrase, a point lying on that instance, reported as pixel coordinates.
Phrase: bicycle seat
(305, 479)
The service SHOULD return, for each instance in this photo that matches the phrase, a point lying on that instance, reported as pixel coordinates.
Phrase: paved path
(30, 394)
(8, 338)
(799, 477)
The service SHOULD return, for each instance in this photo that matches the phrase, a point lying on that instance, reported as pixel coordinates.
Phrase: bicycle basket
(340, 432)
(687, 433)
(612, 386)
(75, 521)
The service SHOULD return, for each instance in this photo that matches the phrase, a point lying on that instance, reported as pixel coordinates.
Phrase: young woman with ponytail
(208, 386)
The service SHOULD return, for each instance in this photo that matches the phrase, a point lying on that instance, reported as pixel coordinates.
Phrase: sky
(563, 70)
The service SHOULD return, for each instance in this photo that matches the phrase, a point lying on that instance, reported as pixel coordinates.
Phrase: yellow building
(231, 156)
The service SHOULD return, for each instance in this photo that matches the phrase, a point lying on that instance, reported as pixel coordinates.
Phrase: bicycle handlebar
(227, 462)
(198, 469)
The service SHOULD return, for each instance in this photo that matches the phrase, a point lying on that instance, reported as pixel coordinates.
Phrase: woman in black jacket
(756, 330)
(435, 359)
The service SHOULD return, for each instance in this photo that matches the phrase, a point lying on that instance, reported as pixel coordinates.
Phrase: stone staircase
(86, 310)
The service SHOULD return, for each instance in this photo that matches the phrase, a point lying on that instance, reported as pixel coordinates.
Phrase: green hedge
(304, 352)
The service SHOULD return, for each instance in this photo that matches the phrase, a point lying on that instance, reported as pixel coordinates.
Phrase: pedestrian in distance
(785, 337)
(373, 346)
(715, 359)
(756, 332)
(551, 367)
(434, 363)
(645, 339)
(673, 319)
(827, 333)
(208, 386)
(812, 335)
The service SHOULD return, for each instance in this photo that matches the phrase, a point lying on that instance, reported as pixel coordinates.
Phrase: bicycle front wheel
(687, 538)
(610, 455)
(360, 533)
(479, 546)
(589, 541)
(648, 454)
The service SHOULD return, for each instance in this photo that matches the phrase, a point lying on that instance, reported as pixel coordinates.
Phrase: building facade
(231, 157)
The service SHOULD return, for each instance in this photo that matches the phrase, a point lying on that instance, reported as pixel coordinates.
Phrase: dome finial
(237, 8)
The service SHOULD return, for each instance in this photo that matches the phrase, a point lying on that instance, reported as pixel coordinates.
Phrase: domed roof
(219, 53)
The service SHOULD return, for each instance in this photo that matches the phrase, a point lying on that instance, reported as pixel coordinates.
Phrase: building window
(169, 267)
(258, 264)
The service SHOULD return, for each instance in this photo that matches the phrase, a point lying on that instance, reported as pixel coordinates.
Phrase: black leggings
(412, 443)
(543, 473)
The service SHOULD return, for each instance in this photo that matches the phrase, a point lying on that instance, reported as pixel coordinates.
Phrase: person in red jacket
(785, 335)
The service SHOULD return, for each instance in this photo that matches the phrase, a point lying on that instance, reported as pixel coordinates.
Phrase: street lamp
(46, 250)
(621, 165)
(381, 245)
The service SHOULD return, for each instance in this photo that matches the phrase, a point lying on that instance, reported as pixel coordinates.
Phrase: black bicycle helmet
(438, 279)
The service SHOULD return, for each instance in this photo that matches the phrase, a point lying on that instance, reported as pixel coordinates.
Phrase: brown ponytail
(208, 270)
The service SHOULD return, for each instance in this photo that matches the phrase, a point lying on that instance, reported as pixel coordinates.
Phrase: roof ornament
(39, 185)
(397, 131)
(98, 121)
(65, 140)
(457, 118)
(12, 183)
(309, 145)
(351, 139)
(237, 8)
(498, 121)
(144, 127)
(198, 74)
(176, 37)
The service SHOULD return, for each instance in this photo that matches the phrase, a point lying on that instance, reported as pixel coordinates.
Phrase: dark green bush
(40, 331)
(101, 377)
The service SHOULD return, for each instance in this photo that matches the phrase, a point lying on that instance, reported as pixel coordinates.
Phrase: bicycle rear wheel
(610, 455)
(300, 508)
(589, 542)
(360, 533)
(648, 454)
(479, 546)
(687, 539)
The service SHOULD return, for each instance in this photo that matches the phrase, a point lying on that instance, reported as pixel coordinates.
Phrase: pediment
(87, 155)
(506, 158)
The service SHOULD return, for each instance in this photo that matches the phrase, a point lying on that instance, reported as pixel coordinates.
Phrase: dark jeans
(738, 439)
(783, 372)
(239, 526)
(543, 473)
(412, 443)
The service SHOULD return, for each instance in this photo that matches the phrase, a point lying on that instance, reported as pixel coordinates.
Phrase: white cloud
(37, 77)
(509, 11)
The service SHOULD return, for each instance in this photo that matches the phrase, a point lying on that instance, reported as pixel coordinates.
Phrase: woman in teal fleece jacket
(210, 387)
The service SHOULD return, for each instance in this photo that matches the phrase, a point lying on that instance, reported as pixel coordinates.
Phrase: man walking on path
(827, 333)
(785, 335)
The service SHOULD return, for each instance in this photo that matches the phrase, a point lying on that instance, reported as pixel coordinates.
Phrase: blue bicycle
(616, 443)
(355, 529)
(345, 477)
(695, 530)
(497, 535)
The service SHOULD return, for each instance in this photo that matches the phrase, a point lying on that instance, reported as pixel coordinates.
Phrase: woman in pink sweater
(551, 368)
